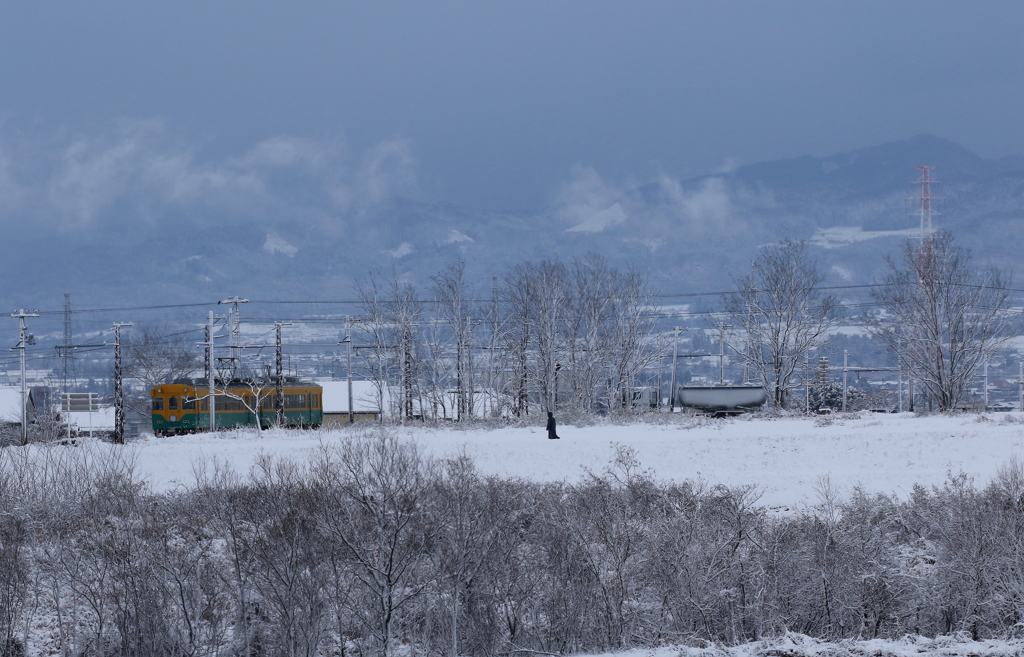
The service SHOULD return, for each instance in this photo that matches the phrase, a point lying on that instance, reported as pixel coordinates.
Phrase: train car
(184, 405)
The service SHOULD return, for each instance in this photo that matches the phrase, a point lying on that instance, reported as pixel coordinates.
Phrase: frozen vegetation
(859, 534)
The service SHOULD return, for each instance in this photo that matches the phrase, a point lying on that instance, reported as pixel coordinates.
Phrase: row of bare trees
(548, 335)
(941, 315)
(577, 335)
(371, 549)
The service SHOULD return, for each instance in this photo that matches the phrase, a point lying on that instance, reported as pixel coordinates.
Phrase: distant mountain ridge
(690, 235)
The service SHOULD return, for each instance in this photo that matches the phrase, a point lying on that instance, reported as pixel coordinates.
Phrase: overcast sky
(499, 105)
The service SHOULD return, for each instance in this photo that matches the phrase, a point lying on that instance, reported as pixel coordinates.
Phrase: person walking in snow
(552, 435)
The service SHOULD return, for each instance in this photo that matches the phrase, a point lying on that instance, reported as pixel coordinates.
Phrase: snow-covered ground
(787, 458)
(798, 645)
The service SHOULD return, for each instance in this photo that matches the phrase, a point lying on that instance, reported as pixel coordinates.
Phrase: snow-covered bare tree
(551, 303)
(376, 510)
(452, 306)
(517, 295)
(632, 324)
(943, 316)
(781, 314)
(254, 390)
(157, 355)
(392, 311)
(588, 327)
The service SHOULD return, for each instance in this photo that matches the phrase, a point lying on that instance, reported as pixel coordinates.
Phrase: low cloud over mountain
(134, 213)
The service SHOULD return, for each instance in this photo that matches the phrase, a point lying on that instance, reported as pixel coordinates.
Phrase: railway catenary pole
(235, 330)
(279, 379)
(24, 339)
(118, 387)
(210, 373)
(846, 355)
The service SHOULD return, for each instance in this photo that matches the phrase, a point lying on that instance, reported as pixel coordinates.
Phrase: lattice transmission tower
(67, 355)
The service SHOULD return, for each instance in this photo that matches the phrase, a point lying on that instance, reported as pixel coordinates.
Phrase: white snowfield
(787, 458)
(798, 645)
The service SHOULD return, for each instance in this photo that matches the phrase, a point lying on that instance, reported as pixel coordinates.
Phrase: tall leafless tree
(518, 296)
(157, 355)
(377, 511)
(393, 312)
(943, 317)
(781, 314)
(452, 306)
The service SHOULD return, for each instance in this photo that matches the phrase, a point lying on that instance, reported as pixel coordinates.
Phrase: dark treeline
(369, 548)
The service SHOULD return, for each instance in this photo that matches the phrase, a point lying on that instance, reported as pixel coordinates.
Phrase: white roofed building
(10, 404)
(365, 402)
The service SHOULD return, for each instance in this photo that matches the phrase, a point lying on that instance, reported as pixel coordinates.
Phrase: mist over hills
(133, 219)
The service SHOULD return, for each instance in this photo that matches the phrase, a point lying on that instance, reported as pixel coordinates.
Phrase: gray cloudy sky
(503, 105)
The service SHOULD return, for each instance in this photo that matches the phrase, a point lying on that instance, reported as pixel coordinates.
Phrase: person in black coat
(552, 435)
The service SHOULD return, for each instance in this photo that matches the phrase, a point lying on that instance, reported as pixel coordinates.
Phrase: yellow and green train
(184, 406)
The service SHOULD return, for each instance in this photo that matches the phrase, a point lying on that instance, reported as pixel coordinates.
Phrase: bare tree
(452, 305)
(781, 313)
(551, 302)
(943, 316)
(589, 329)
(257, 391)
(393, 311)
(376, 355)
(377, 512)
(518, 294)
(631, 326)
(157, 356)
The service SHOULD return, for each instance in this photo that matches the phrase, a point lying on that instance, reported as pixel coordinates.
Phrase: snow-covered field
(786, 458)
(797, 645)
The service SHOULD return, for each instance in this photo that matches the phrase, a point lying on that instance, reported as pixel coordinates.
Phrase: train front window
(172, 404)
(158, 403)
(188, 404)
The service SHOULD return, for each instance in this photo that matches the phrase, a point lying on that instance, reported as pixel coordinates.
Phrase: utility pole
(24, 339)
(1020, 386)
(279, 379)
(118, 388)
(721, 353)
(471, 402)
(846, 355)
(986, 387)
(807, 383)
(899, 386)
(235, 329)
(348, 359)
(661, 368)
(675, 359)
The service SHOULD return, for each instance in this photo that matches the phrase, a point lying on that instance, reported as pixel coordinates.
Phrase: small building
(36, 397)
(365, 402)
(10, 405)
